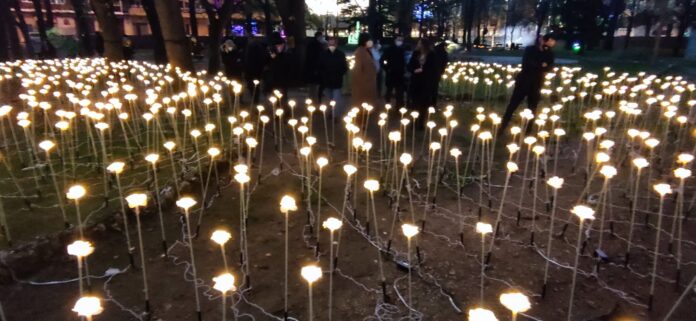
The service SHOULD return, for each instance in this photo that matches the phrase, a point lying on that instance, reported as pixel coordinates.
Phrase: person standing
(441, 60)
(364, 76)
(232, 58)
(315, 47)
(377, 58)
(280, 69)
(394, 66)
(537, 60)
(423, 69)
(256, 58)
(332, 67)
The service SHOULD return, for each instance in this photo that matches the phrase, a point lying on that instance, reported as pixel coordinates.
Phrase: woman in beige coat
(364, 78)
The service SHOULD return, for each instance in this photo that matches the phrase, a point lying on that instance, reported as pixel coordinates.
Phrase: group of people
(396, 74)
(410, 77)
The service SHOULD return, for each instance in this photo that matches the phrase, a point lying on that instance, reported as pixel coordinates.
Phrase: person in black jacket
(537, 60)
(332, 67)
(441, 59)
(280, 69)
(394, 66)
(314, 50)
(423, 69)
(233, 59)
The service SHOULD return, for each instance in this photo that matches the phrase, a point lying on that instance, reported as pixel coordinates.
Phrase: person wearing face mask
(332, 68)
(364, 74)
(537, 61)
(315, 47)
(423, 70)
(394, 66)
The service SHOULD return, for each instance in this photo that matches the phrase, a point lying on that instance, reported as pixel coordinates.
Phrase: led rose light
(583, 213)
(88, 307)
(186, 203)
(662, 189)
(136, 201)
(224, 283)
(480, 314)
(515, 302)
(311, 273)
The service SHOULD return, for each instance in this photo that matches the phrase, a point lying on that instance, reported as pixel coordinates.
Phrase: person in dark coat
(394, 66)
(128, 50)
(332, 67)
(441, 59)
(423, 69)
(280, 69)
(537, 60)
(233, 59)
(315, 48)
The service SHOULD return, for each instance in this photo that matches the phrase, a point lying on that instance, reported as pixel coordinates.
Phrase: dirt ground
(446, 271)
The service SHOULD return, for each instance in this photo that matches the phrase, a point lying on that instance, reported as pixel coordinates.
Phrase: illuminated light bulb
(241, 168)
(220, 237)
(409, 230)
(80, 248)
(685, 158)
(287, 204)
(682, 173)
(640, 162)
(349, 169)
(76, 192)
(602, 157)
(371, 185)
(515, 302)
(512, 167)
(608, 171)
(136, 200)
(662, 189)
(116, 167)
(224, 283)
(455, 152)
(242, 178)
(186, 202)
(322, 161)
(213, 152)
(88, 306)
(46, 145)
(152, 158)
(512, 148)
(169, 145)
(332, 224)
(311, 273)
(652, 142)
(483, 228)
(583, 212)
(555, 182)
(480, 314)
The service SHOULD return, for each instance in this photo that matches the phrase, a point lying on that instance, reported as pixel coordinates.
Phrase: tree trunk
(156, 30)
(267, 15)
(217, 20)
(192, 18)
(405, 17)
(372, 18)
(177, 45)
(110, 29)
(4, 36)
(8, 22)
(49, 14)
(82, 24)
(47, 50)
(23, 28)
